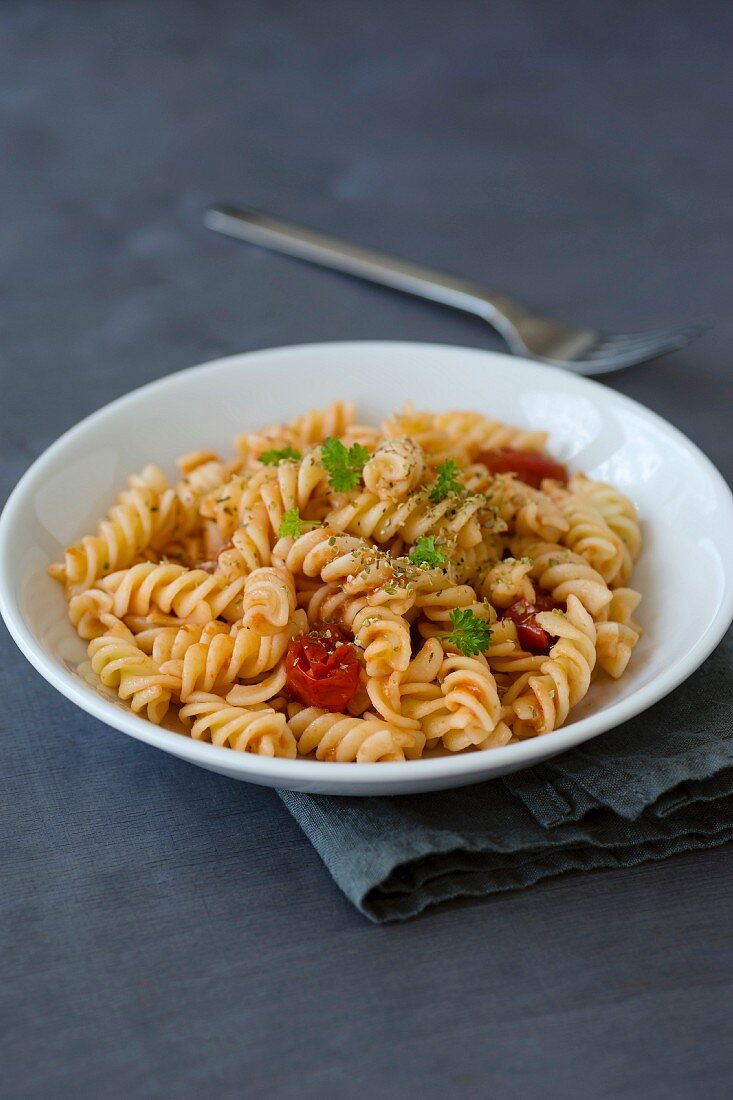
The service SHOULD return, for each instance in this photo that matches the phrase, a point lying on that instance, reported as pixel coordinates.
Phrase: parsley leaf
(291, 525)
(425, 552)
(275, 457)
(344, 467)
(446, 481)
(469, 634)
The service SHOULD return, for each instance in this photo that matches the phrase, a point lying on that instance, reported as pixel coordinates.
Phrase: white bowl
(686, 508)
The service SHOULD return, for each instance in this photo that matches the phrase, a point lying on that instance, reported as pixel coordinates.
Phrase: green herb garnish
(344, 466)
(425, 552)
(446, 481)
(291, 525)
(275, 457)
(469, 634)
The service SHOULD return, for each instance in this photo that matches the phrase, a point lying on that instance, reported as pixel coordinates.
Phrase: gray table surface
(171, 933)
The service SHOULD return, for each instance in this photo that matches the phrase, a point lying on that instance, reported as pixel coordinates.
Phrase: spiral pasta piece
(343, 738)
(249, 695)
(268, 600)
(357, 568)
(616, 509)
(315, 550)
(122, 666)
(382, 634)
(141, 517)
(250, 547)
(388, 693)
(212, 658)
(202, 471)
(507, 581)
(542, 703)
(435, 608)
(471, 708)
(187, 593)
(223, 504)
(470, 691)
(263, 731)
(424, 702)
(562, 573)
(624, 602)
(322, 603)
(384, 695)
(505, 655)
(150, 477)
(617, 633)
(470, 563)
(528, 512)
(302, 432)
(412, 518)
(452, 697)
(366, 435)
(396, 467)
(291, 485)
(614, 643)
(589, 535)
(169, 642)
(477, 433)
(90, 612)
(436, 445)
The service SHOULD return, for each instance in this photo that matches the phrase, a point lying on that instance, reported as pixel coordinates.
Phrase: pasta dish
(353, 593)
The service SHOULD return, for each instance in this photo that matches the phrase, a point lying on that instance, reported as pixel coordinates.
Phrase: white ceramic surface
(685, 572)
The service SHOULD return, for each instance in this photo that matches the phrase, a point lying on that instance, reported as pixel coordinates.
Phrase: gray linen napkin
(660, 784)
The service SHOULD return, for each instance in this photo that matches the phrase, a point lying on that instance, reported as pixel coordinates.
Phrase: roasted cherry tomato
(529, 466)
(322, 669)
(529, 632)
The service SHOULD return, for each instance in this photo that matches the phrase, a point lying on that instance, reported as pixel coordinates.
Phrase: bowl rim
(251, 765)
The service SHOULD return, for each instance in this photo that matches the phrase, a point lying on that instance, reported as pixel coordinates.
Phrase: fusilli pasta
(360, 594)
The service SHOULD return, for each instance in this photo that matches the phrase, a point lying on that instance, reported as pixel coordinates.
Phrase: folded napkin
(662, 783)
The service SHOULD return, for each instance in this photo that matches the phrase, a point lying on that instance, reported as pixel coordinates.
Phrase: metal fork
(582, 350)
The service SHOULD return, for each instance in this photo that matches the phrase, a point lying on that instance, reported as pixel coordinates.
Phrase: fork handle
(294, 240)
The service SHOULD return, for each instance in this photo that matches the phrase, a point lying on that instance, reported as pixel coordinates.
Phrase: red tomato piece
(530, 634)
(545, 603)
(322, 669)
(532, 637)
(529, 466)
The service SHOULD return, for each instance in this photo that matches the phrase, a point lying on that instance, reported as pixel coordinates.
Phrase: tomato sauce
(531, 467)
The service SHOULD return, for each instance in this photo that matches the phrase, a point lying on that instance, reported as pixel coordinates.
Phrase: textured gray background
(171, 933)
